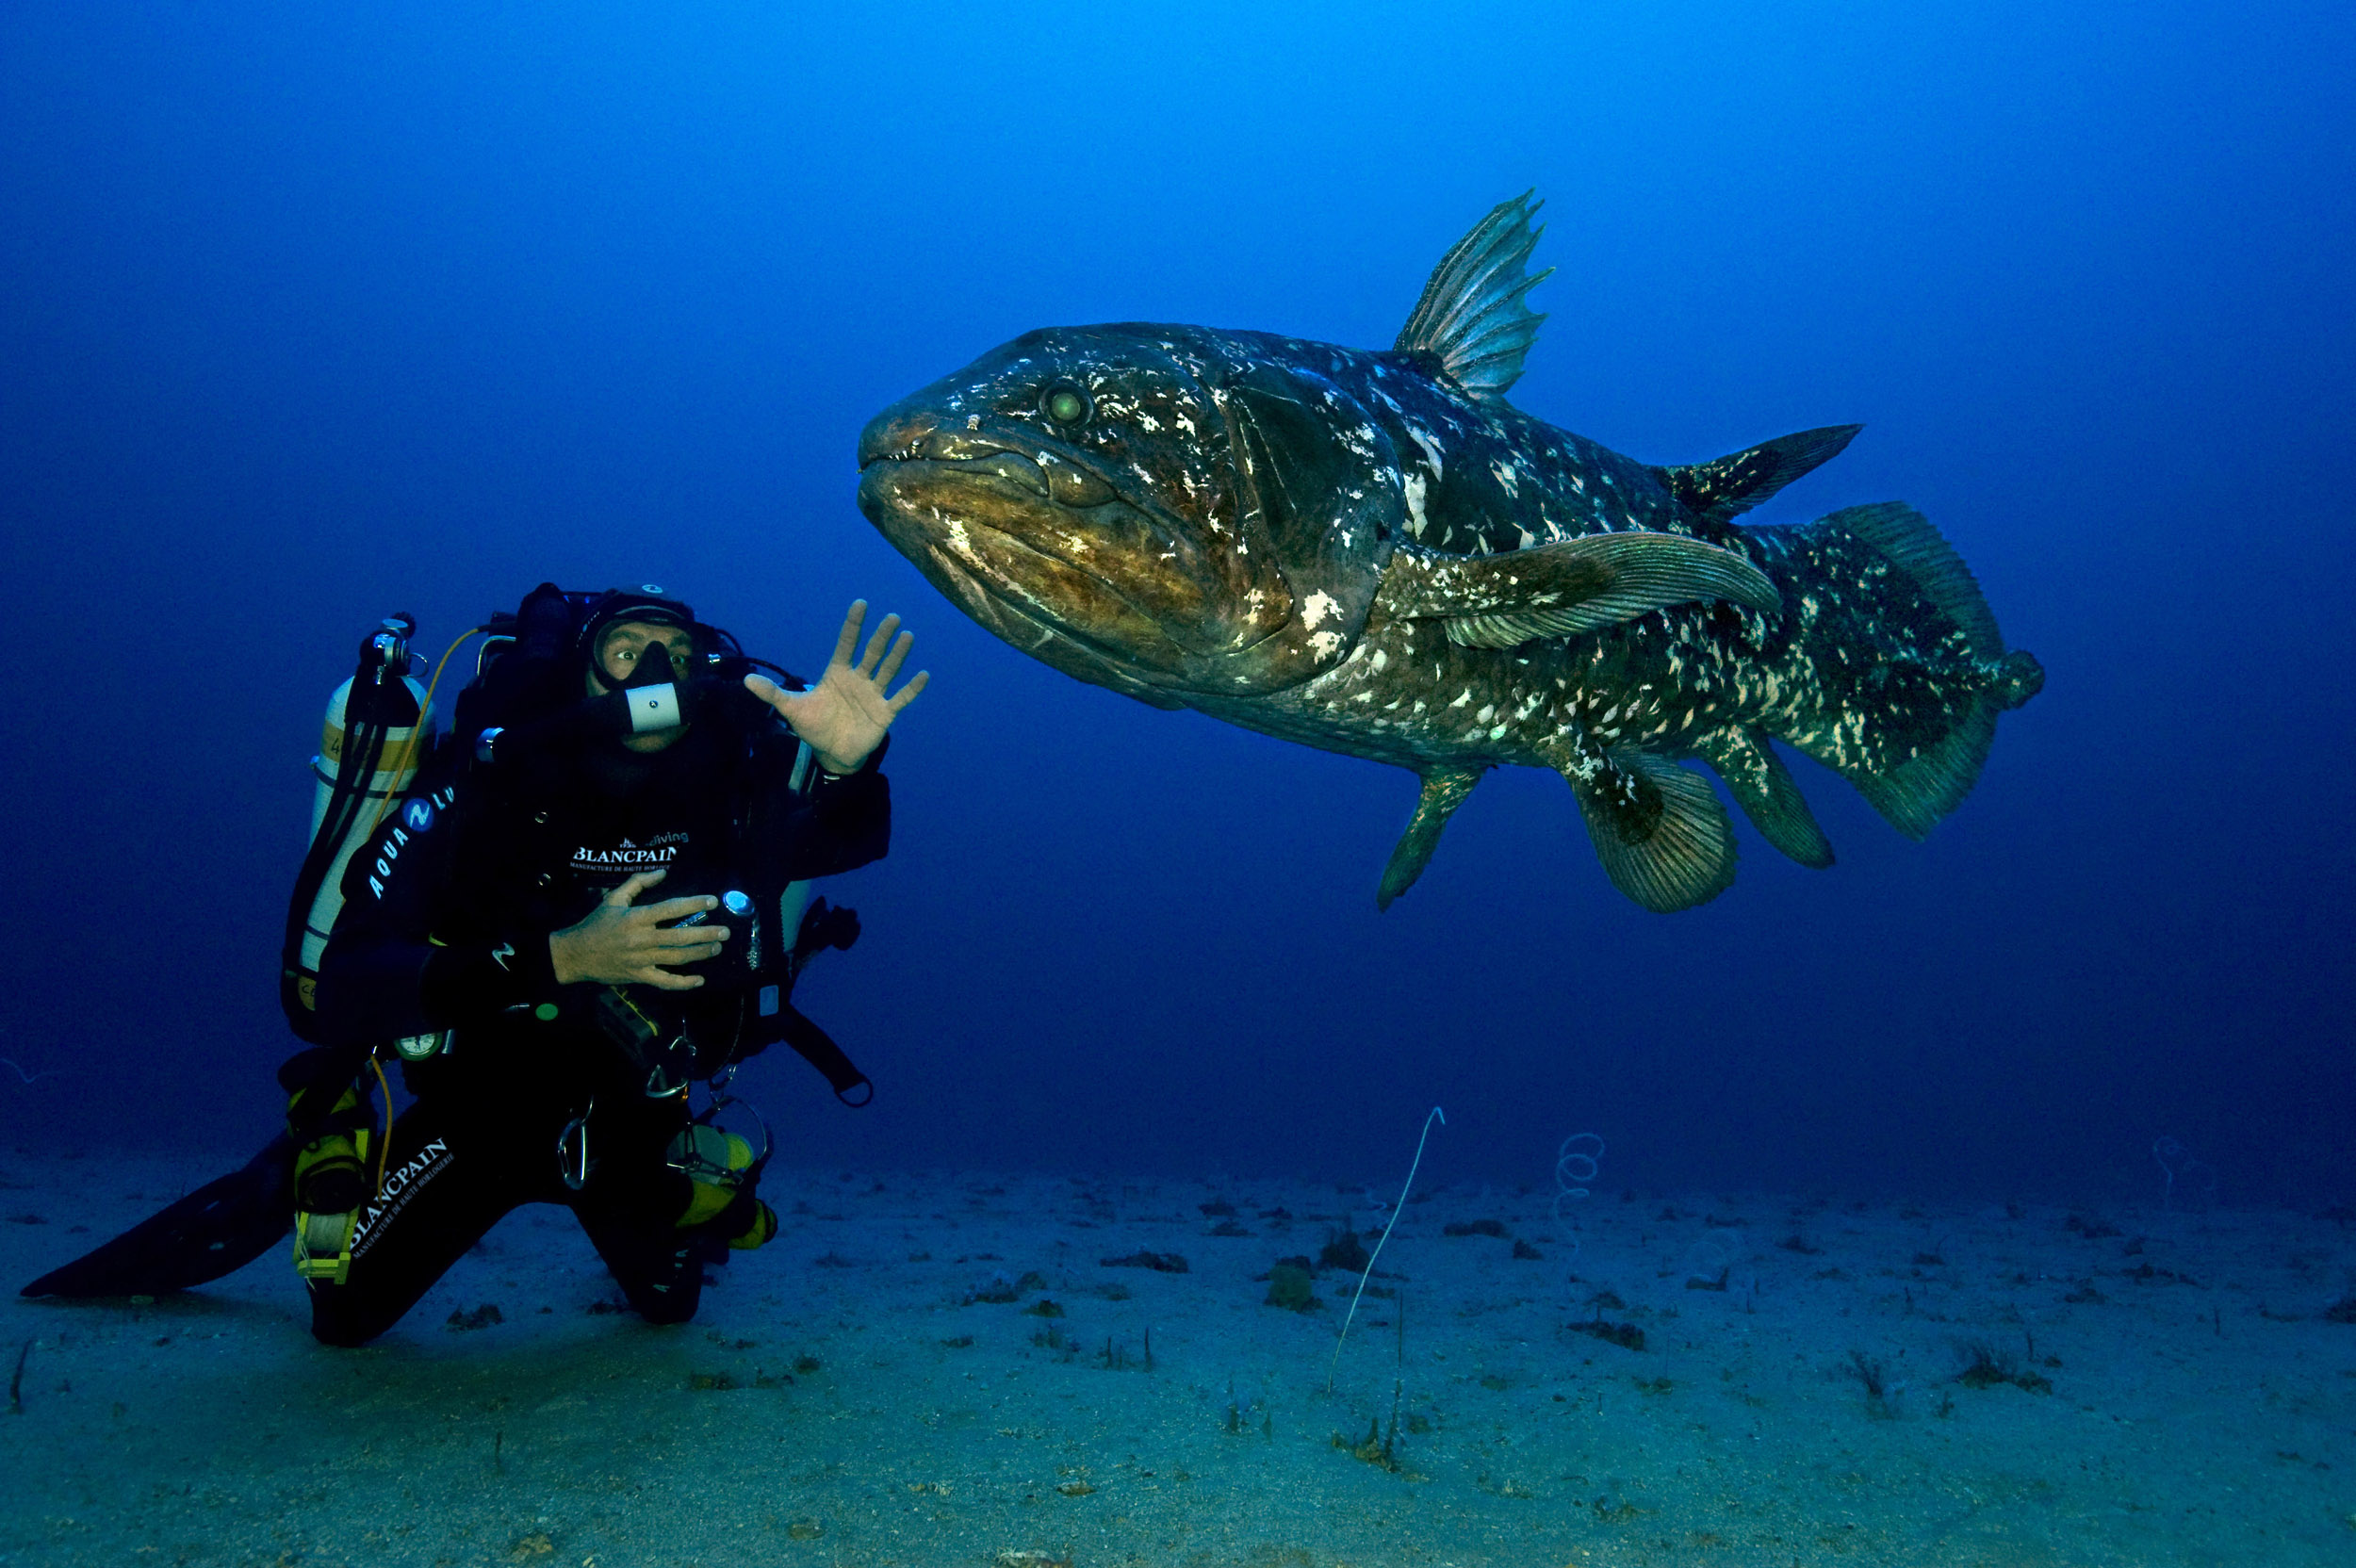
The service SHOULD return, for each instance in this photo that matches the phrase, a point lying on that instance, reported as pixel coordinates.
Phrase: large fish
(1375, 553)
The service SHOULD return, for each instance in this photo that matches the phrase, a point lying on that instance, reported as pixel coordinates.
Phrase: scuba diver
(585, 902)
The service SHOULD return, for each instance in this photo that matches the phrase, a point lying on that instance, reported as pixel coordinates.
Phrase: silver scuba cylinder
(397, 766)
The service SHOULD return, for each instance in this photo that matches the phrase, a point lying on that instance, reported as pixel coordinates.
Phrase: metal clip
(572, 1151)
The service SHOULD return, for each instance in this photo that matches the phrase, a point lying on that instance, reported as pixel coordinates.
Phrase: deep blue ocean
(311, 315)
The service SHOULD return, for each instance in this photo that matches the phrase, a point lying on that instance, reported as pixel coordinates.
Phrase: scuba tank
(369, 754)
(375, 734)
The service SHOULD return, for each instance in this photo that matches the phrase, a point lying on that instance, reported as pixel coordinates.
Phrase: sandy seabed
(943, 1368)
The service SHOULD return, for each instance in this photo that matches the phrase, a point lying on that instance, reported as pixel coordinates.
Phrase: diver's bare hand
(619, 944)
(845, 716)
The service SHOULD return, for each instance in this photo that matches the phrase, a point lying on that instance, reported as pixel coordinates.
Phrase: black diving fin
(216, 1230)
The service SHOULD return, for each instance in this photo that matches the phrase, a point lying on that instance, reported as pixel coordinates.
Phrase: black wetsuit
(445, 927)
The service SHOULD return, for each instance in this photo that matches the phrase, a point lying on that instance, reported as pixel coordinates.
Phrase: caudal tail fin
(1911, 712)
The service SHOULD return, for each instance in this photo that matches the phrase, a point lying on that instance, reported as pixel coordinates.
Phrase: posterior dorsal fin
(1471, 314)
(1560, 590)
(1728, 486)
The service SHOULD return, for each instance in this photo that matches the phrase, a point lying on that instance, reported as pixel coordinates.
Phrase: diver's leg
(659, 1266)
(631, 1209)
(444, 1187)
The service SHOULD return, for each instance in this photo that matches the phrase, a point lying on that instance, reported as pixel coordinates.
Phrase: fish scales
(1373, 552)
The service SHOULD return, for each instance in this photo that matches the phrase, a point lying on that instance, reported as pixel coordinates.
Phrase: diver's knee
(344, 1330)
(343, 1336)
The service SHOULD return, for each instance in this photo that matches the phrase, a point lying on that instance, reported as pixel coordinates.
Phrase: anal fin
(1444, 790)
(1659, 830)
(1767, 793)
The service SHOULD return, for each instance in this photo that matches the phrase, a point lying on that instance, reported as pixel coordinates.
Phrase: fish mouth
(1041, 546)
(1039, 550)
(1056, 476)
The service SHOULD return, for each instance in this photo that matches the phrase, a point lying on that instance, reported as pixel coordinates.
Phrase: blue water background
(308, 314)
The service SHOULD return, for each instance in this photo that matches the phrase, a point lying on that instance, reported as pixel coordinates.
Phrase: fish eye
(1064, 402)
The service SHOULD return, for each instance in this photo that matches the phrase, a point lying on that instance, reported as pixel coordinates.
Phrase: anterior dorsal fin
(1500, 601)
(1471, 314)
(1728, 486)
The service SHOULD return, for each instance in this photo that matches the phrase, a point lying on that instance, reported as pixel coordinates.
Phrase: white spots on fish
(1507, 479)
(1488, 710)
(1415, 519)
(1528, 539)
(1146, 423)
(973, 421)
(1317, 607)
(1324, 644)
(1432, 456)
(1463, 697)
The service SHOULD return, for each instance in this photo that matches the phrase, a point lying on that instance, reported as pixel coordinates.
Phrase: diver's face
(622, 646)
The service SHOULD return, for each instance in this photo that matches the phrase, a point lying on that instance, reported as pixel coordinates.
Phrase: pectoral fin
(1500, 601)
(1443, 793)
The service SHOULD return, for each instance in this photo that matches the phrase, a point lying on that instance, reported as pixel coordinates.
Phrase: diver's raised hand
(845, 716)
(620, 945)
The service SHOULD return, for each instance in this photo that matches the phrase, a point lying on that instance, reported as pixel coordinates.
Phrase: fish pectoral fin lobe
(1444, 790)
(1560, 590)
(1471, 316)
(1726, 487)
(1659, 830)
(1767, 793)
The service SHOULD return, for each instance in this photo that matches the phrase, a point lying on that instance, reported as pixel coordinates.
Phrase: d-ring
(572, 1151)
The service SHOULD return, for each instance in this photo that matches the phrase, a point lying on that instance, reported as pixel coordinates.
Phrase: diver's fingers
(672, 909)
(876, 644)
(847, 642)
(676, 938)
(907, 693)
(892, 660)
(666, 980)
(621, 897)
(764, 687)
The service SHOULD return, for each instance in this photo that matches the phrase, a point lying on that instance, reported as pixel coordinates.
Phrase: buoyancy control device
(523, 719)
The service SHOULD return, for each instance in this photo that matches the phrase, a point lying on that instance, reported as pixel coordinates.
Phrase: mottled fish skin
(1255, 526)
